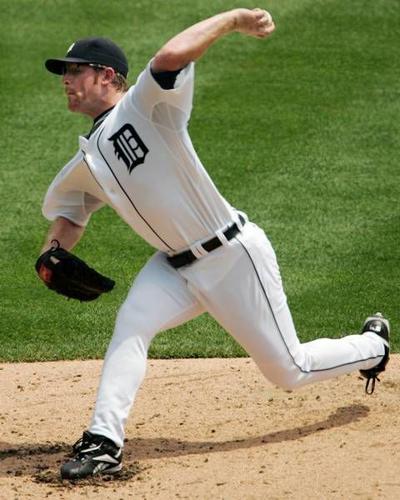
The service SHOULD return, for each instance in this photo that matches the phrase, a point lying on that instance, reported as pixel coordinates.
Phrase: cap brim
(57, 65)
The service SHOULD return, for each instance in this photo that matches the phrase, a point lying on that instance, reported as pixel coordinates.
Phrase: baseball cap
(91, 50)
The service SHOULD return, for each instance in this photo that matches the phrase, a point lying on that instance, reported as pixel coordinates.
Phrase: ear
(108, 75)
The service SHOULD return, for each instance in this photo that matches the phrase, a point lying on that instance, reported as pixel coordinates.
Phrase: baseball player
(138, 158)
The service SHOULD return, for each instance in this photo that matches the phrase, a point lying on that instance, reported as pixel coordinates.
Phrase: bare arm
(192, 43)
(66, 232)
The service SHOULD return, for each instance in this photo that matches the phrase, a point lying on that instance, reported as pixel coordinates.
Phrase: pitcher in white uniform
(139, 159)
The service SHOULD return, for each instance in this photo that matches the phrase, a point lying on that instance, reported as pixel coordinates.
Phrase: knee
(287, 378)
(289, 383)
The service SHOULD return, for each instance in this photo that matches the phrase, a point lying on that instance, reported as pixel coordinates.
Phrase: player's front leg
(158, 300)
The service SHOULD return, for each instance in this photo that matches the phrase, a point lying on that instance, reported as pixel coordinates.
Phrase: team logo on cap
(129, 147)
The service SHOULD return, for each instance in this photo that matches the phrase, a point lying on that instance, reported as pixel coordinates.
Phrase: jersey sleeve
(168, 107)
(73, 194)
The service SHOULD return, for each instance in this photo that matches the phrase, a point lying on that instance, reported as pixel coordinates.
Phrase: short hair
(120, 83)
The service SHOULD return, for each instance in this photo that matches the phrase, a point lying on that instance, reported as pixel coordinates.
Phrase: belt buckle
(196, 251)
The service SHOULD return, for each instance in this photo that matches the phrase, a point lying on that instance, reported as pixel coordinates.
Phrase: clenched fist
(255, 22)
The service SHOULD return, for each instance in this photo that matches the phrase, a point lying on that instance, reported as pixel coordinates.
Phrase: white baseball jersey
(140, 160)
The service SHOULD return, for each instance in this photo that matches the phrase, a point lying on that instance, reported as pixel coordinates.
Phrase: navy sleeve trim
(166, 79)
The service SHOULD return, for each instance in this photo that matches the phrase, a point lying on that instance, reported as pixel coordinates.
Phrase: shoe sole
(112, 470)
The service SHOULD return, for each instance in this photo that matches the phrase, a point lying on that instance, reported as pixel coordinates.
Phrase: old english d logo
(129, 147)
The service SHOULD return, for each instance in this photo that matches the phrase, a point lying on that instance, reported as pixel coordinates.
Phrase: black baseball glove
(68, 275)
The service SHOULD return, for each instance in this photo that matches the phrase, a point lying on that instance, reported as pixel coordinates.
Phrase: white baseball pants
(239, 284)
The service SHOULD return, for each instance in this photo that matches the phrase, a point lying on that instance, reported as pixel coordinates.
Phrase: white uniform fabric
(169, 199)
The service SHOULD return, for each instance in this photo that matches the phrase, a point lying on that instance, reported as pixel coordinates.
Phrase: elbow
(169, 59)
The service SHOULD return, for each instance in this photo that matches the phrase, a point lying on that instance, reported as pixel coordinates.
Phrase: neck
(99, 107)
(100, 116)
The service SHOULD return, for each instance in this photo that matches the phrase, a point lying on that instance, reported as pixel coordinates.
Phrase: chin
(72, 103)
(74, 107)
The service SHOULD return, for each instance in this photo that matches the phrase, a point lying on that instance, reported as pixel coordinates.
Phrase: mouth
(72, 99)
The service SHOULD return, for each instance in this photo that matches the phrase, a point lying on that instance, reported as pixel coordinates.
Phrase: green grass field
(300, 131)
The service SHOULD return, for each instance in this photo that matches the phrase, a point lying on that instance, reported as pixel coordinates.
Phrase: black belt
(187, 257)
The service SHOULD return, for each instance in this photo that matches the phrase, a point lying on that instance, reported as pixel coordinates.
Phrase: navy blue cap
(92, 50)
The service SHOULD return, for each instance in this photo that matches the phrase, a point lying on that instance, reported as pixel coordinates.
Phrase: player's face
(83, 88)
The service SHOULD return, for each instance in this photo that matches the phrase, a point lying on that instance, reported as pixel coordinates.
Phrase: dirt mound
(204, 429)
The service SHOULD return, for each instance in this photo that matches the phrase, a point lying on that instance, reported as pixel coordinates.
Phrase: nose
(66, 79)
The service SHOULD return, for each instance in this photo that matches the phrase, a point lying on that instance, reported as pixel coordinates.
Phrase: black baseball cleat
(94, 454)
(379, 325)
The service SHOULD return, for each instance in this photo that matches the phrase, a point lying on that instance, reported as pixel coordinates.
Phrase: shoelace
(77, 446)
(80, 444)
(371, 380)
